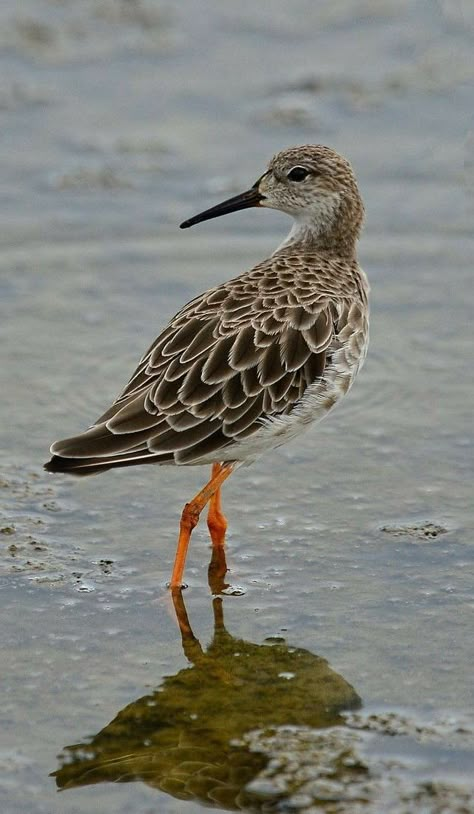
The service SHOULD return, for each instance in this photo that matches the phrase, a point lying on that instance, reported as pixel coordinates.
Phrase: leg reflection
(217, 571)
(191, 646)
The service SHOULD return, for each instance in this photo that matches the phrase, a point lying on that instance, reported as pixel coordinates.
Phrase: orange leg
(189, 520)
(216, 520)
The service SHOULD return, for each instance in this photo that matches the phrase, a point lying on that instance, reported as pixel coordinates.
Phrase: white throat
(310, 224)
(299, 233)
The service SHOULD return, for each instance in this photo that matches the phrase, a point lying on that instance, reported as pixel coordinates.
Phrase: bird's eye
(298, 174)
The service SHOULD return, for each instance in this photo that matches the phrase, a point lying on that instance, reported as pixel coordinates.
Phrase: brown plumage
(250, 363)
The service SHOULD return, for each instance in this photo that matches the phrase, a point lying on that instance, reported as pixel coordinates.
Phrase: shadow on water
(187, 738)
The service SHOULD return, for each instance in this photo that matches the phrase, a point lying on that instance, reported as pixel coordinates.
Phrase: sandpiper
(253, 362)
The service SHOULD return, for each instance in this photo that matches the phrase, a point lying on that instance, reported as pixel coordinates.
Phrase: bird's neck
(306, 237)
(332, 229)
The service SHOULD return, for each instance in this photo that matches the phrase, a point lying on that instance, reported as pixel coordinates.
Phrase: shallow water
(350, 550)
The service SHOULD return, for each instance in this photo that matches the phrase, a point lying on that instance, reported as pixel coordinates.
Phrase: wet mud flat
(249, 722)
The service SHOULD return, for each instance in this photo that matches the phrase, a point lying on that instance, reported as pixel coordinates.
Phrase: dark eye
(298, 174)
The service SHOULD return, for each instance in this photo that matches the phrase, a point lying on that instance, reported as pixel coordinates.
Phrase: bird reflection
(186, 737)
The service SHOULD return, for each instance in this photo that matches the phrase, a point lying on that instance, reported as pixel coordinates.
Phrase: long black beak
(243, 201)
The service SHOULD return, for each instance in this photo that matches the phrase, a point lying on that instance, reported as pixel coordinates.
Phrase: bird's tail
(98, 450)
(80, 467)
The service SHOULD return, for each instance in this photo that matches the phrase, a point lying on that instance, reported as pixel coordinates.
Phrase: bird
(252, 362)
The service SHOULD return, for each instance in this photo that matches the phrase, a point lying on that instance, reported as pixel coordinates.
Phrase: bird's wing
(239, 354)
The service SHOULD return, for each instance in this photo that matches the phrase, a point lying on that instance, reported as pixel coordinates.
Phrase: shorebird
(254, 361)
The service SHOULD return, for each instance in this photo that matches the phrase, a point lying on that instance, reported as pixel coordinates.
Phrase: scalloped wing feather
(238, 355)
